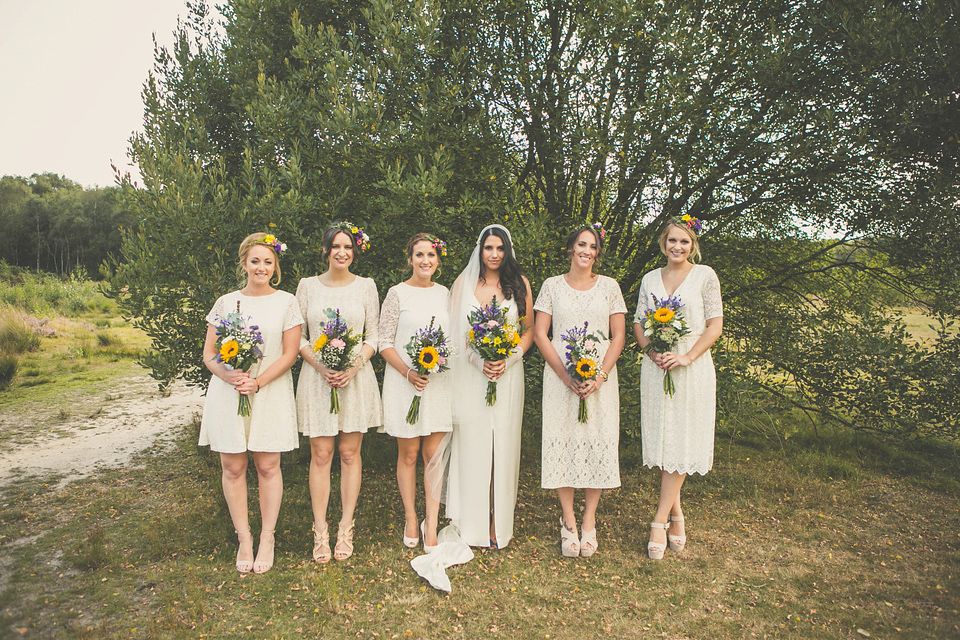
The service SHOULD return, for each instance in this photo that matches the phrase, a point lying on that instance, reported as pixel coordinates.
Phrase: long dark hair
(511, 276)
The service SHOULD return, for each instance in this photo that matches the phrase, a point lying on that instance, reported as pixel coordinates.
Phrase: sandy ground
(134, 417)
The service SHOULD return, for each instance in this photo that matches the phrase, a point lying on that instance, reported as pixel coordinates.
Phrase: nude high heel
(244, 566)
(344, 548)
(264, 561)
(655, 549)
(569, 541)
(321, 544)
(676, 543)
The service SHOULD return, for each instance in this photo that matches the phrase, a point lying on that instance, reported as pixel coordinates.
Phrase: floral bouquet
(492, 337)
(664, 325)
(582, 356)
(335, 347)
(238, 347)
(429, 352)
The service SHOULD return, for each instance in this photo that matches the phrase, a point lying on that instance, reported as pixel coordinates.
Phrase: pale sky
(71, 72)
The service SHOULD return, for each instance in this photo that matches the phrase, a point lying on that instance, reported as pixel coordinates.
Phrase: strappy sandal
(244, 566)
(676, 543)
(588, 543)
(262, 566)
(569, 541)
(344, 541)
(321, 544)
(655, 549)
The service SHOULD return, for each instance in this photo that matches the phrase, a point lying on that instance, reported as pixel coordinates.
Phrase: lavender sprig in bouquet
(492, 337)
(665, 325)
(581, 355)
(429, 352)
(238, 347)
(334, 347)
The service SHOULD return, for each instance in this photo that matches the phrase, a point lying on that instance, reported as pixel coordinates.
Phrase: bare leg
(233, 478)
(591, 500)
(351, 467)
(271, 494)
(670, 485)
(430, 445)
(407, 450)
(565, 494)
(321, 456)
(350, 473)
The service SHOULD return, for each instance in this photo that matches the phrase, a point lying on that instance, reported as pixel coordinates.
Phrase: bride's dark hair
(511, 276)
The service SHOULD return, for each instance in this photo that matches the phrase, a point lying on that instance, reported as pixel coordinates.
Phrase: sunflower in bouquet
(492, 337)
(335, 348)
(238, 347)
(429, 353)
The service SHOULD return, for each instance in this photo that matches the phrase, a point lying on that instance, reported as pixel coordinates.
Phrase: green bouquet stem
(668, 387)
(334, 400)
(491, 393)
(244, 407)
(413, 415)
(582, 414)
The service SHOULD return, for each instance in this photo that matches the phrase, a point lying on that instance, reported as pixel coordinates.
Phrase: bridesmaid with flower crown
(408, 308)
(677, 429)
(580, 451)
(270, 425)
(355, 299)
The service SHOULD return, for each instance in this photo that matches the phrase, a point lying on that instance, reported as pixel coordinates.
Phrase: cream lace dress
(575, 454)
(272, 423)
(405, 310)
(360, 408)
(677, 432)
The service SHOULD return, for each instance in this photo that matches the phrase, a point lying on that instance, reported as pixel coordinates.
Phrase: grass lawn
(819, 538)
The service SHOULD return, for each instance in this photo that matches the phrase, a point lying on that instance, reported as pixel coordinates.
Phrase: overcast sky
(71, 72)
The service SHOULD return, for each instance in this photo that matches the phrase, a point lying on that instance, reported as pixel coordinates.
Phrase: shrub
(16, 334)
(9, 363)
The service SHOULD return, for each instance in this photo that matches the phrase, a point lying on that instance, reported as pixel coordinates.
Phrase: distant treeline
(50, 223)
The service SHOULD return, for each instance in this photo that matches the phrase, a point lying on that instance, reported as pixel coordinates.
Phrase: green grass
(817, 538)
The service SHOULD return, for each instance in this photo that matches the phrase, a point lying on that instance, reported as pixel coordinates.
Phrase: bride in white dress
(485, 448)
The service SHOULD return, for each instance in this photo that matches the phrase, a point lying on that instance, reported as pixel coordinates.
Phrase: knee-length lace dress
(575, 454)
(677, 432)
(360, 409)
(405, 310)
(272, 423)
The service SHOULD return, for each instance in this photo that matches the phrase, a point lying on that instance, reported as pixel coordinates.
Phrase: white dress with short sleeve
(406, 309)
(272, 423)
(677, 432)
(360, 409)
(575, 454)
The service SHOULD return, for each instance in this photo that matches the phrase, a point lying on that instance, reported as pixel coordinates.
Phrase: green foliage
(9, 364)
(16, 334)
(53, 224)
(776, 123)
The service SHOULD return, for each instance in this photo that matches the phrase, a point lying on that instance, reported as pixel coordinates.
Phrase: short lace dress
(405, 310)
(272, 423)
(360, 409)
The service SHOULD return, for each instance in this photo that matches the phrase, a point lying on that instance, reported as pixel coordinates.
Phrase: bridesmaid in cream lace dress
(271, 426)
(678, 431)
(337, 289)
(408, 307)
(575, 454)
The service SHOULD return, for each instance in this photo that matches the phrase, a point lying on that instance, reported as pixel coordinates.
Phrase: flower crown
(688, 222)
(271, 241)
(361, 241)
(437, 244)
(598, 228)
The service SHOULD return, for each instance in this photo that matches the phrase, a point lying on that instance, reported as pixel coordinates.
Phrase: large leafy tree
(776, 122)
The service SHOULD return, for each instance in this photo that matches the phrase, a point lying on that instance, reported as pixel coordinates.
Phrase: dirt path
(134, 417)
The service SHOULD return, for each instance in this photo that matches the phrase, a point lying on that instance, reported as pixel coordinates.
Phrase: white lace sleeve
(545, 297)
(371, 314)
(712, 301)
(216, 311)
(615, 299)
(304, 305)
(389, 319)
(292, 317)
